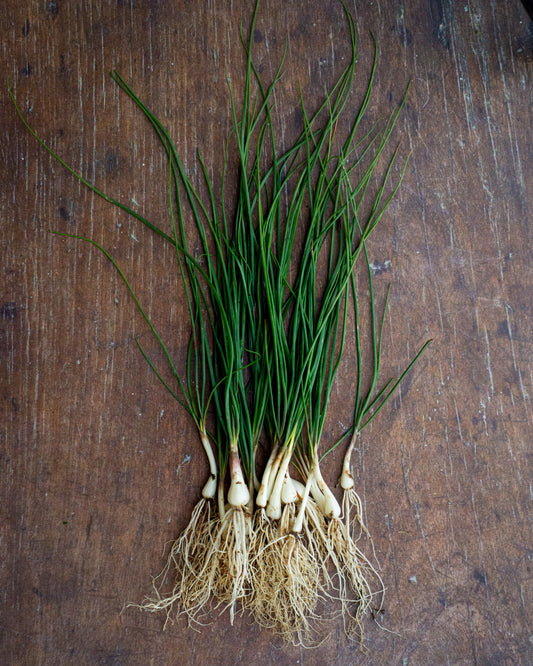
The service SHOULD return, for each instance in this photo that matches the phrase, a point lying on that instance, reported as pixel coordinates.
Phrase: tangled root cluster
(292, 584)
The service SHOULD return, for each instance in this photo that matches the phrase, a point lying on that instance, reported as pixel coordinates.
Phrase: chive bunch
(270, 285)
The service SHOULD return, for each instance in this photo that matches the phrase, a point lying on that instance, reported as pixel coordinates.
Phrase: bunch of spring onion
(269, 283)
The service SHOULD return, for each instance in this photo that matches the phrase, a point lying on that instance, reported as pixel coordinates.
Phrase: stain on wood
(91, 447)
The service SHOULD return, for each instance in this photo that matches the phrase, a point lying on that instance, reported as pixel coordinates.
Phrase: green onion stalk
(269, 283)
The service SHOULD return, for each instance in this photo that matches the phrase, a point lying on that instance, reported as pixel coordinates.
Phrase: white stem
(210, 487)
(220, 499)
(331, 507)
(274, 472)
(289, 494)
(317, 494)
(346, 479)
(299, 487)
(262, 495)
(298, 521)
(273, 509)
(238, 493)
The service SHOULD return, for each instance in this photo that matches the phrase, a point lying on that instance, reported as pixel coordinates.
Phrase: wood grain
(99, 468)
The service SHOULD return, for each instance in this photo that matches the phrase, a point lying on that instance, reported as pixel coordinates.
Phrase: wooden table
(100, 468)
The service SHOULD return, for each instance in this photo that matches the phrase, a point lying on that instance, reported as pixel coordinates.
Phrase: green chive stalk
(268, 306)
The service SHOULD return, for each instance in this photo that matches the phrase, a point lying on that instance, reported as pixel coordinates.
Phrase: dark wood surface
(99, 469)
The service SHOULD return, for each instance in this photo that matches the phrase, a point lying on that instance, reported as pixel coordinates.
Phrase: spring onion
(268, 306)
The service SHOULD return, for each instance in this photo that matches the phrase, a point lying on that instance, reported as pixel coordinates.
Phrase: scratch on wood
(489, 365)
(415, 511)
(388, 522)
